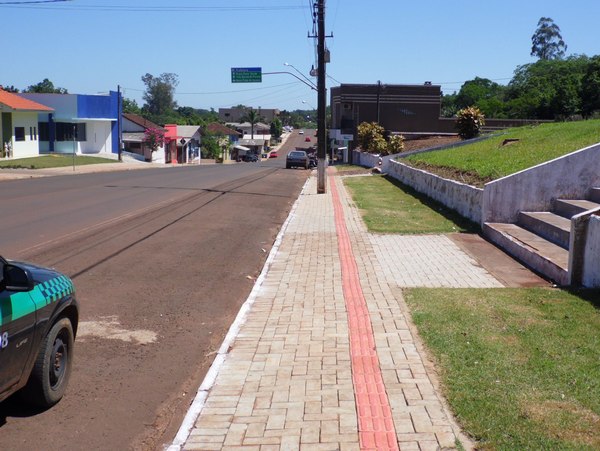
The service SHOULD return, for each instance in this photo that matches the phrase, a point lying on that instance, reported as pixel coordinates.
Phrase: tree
(487, 95)
(47, 87)
(154, 138)
(276, 128)
(254, 118)
(590, 88)
(159, 95)
(210, 145)
(547, 42)
(130, 106)
(449, 107)
(190, 116)
(547, 89)
(10, 88)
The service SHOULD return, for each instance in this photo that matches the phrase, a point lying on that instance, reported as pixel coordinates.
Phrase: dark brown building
(398, 108)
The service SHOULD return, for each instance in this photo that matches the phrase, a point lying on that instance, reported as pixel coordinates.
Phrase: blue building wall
(69, 107)
(98, 107)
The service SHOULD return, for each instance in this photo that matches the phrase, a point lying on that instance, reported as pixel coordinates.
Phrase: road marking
(108, 327)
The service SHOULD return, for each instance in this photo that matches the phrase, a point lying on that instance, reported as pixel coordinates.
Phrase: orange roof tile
(17, 102)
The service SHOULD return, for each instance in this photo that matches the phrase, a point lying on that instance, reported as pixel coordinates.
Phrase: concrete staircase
(541, 239)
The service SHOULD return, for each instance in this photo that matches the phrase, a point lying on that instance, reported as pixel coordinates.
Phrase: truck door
(17, 324)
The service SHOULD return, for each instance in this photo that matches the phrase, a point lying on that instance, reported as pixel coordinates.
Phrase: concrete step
(571, 207)
(541, 255)
(595, 195)
(550, 226)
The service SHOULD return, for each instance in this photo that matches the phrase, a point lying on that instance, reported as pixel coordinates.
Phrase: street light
(304, 76)
(310, 105)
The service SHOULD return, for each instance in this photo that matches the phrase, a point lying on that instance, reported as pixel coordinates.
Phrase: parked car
(250, 157)
(273, 154)
(301, 132)
(297, 159)
(38, 323)
(307, 139)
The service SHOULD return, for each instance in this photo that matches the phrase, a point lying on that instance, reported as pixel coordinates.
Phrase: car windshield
(296, 154)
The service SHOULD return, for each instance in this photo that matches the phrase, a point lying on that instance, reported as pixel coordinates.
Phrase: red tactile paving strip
(375, 425)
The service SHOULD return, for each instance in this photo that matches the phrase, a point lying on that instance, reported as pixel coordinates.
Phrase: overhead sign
(246, 75)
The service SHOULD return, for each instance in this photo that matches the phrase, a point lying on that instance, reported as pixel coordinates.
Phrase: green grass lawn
(52, 161)
(520, 367)
(387, 206)
(489, 159)
(344, 168)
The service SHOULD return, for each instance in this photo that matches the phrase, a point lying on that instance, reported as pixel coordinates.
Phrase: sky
(94, 46)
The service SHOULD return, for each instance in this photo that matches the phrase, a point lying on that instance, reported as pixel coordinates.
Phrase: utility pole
(321, 99)
(378, 98)
(119, 123)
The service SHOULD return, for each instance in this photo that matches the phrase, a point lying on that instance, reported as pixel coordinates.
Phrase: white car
(301, 132)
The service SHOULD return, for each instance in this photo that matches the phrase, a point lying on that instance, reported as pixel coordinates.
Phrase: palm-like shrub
(371, 139)
(469, 122)
(395, 144)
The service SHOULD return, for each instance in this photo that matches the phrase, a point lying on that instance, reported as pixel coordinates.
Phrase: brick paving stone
(287, 382)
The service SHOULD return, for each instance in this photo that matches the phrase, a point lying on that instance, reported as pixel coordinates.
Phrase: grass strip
(52, 161)
(520, 367)
(515, 149)
(388, 206)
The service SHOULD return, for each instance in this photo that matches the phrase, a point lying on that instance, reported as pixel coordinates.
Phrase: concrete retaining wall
(368, 160)
(535, 189)
(591, 266)
(464, 199)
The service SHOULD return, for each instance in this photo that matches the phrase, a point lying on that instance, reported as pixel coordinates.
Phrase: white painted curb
(210, 378)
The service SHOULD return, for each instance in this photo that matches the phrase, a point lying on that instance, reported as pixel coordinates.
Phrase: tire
(52, 369)
(287, 166)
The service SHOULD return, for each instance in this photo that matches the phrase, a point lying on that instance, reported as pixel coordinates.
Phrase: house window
(33, 133)
(44, 134)
(19, 133)
(70, 132)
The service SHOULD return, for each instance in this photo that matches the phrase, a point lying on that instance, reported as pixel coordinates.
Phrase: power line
(30, 2)
(144, 8)
(461, 82)
(220, 92)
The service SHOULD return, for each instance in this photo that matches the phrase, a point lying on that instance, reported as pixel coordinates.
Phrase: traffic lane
(38, 211)
(158, 294)
(294, 141)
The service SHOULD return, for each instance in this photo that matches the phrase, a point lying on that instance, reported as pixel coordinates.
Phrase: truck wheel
(52, 369)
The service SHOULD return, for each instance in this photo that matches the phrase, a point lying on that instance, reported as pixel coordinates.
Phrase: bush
(469, 122)
(371, 139)
(370, 135)
(395, 144)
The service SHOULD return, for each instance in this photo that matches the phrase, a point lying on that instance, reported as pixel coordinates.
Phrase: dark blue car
(38, 323)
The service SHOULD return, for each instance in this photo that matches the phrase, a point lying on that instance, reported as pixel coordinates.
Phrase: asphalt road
(161, 260)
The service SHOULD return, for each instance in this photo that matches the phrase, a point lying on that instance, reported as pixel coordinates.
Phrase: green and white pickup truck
(38, 323)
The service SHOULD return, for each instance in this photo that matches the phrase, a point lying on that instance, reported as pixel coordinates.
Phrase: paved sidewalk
(323, 355)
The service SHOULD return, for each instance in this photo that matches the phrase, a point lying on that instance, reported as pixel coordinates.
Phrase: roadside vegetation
(52, 161)
(519, 366)
(508, 152)
(387, 206)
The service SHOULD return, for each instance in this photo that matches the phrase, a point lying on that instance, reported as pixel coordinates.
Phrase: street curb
(211, 376)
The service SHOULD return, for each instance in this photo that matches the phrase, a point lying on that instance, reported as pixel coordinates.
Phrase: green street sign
(246, 75)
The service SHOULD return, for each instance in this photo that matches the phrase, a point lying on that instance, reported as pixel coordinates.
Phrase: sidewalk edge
(211, 376)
